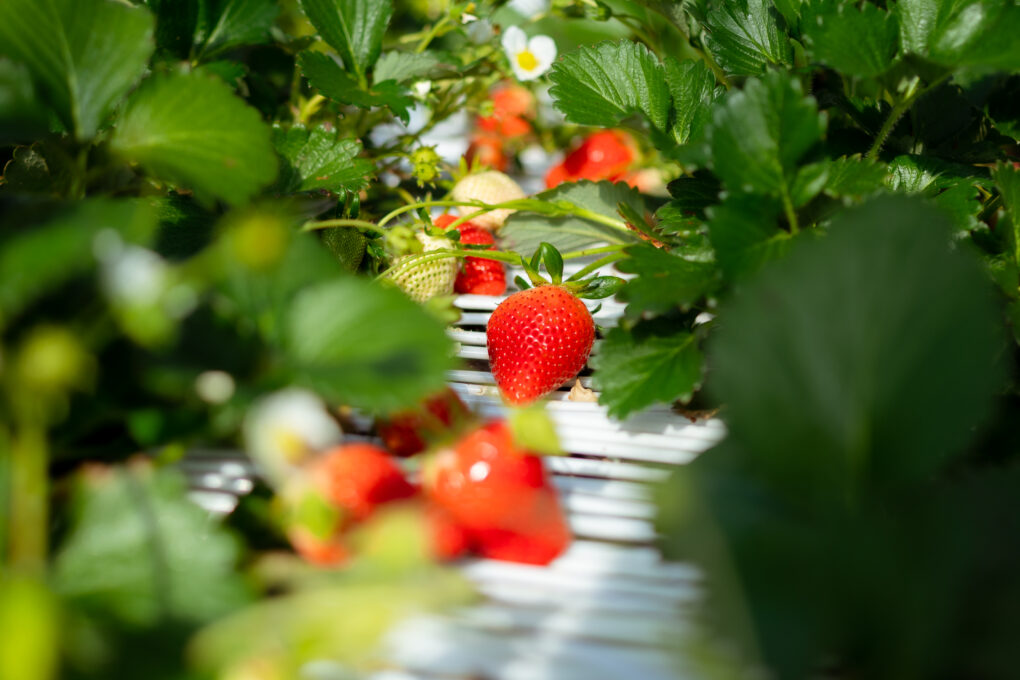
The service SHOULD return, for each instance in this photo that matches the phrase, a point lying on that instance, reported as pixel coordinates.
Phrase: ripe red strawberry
(606, 154)
(487, 150)
(409, 432)
(479, 276)
(512, 105)
(489, 186)
(538, 339)
(358, 478)
(499, 496)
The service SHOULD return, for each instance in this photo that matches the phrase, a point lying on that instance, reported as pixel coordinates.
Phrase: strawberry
(409, 432)
(357, 478)
(497, 496)
(479, 276)
(607, 154)
(429, 279)
(538, 339)
(489, 186)
(487, 150)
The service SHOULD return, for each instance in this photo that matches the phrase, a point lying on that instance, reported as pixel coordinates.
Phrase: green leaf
(84, 55)
(692, 86)
(809, 182)
(43, 168)
(963, 205)
(22, 116)
(857, 364)
(1007, 179)
(696, 192)
(176, 21)
(37, 259)
(745, 36)
(192, 131)
(354, 28)
(140, 550)
(647, 365)
(404, 66)
(854, 176)
(523, 232)
(326, 76)
(320, 159)
(664, 281)
(857, 41)
(760, 133)
(744, 234)
(226, 24)
(958, 33)
(927, 175)
(1003, 108)
(367, 345)
(604, 84)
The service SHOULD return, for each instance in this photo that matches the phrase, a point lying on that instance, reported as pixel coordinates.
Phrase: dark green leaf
(854, 176)
(809, 182)
(552, 259)
(674, 219)
(1003, 107)
(857, 41)
(695, 193)
(176, 21)
(928, 175)
(1007, 179)
(193, 131)
(404, 66)
(635, 369)
(37, 259)
(745, 36)
(664, 281)
(604, 84)
(354, 28)
(523, 231)
(761, 132)
(84, 55)
(957, 33)
(22, 116)
(601, 287)
(320, 159)
(744, 234)
(326, 76)
(692, 86)
(963, 205)
(226, 24)
(43, 168)
(141, 551)
(366, 345)
(857, 365)
(230, 72)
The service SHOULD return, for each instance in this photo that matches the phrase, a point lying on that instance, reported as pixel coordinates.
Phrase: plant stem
(601, 262)
(525, 204)
(29, 491)
(360, 225)
(791, 214)
(430, 35)
(913, 93)
(593, 251)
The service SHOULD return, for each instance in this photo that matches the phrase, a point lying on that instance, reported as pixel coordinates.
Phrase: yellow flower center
(527, 60)
(289, 443)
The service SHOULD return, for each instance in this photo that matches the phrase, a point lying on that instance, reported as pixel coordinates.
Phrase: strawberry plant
(221, 228)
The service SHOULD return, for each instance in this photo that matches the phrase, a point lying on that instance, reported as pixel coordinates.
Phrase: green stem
(360, 225)
(525, 204)
(601, 262)
(593, 251)
(913, 93)
(430, 36)
(29, 495)
(791, 214)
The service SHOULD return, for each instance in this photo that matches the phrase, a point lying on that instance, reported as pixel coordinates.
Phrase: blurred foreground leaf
(140, 551)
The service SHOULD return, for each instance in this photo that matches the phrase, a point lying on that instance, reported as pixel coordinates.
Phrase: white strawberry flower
(529, 59)
(284, 429)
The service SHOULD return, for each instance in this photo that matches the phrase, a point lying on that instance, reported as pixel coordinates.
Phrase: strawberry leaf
(354, 28)
(857, 41)
(955, 33)
(320, 159)
(604, 84)
(193, 131)
(326, 76)
(226, 24)
(404, 66)
(744, 234)
(365, 344)
(664, 281)
(745, 36)
(692, 86)
(760, 132)
(84, 55)
(650, 364)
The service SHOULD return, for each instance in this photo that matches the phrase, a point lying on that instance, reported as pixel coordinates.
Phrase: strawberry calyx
(594, 287)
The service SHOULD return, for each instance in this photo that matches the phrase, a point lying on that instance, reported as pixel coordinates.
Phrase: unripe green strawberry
(427, 279)
(490, 187)
(347, 245)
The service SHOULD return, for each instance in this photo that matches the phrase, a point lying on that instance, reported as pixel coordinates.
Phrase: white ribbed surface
(610, 607)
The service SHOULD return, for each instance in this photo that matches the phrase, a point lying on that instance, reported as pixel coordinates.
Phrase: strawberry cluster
(481, 493)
